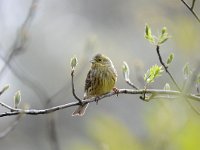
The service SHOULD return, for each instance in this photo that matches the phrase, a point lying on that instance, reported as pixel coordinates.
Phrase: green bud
(17, 99)
(186, 71)
(73, 62)
(4, 88)
(164, 30)
(164, 36)
(125, 69)
(148, 34)
(170, 58)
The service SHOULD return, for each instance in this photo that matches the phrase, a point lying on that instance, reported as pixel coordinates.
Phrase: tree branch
(166, 68)
(191, 9)
(193, 2)
(121, 91)
(73, 89)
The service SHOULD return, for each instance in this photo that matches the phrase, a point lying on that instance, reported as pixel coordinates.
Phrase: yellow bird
(100, 80)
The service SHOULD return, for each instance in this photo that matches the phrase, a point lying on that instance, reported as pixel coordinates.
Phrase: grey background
(62, 29)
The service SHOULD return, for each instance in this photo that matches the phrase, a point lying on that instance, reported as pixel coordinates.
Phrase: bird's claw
(116, 90)
(97, 99)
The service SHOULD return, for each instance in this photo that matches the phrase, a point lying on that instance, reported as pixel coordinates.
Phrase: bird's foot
(116, 90)
(97, 99)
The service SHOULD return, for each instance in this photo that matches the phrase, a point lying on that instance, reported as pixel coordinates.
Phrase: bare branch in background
(191, 9)
(21, 37)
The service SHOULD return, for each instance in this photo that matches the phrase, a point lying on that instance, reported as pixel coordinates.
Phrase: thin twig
(193, 2)
(8, 107)
(121, 91)
(73, 89)
(21, 37)
(131, 84)
(191, 10)
(166, 68)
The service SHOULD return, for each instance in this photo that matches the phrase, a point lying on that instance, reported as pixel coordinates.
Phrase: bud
(4, 88)
(17, 99)
(73, 62)
(125, 70)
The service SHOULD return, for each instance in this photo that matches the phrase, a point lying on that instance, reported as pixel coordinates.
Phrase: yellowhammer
(100, 80)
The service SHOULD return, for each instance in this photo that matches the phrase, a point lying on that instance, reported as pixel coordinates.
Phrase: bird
(100, 80)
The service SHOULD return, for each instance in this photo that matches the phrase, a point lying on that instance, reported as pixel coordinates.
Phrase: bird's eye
(99, 59)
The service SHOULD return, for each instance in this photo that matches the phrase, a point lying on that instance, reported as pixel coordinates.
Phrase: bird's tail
(80, 111)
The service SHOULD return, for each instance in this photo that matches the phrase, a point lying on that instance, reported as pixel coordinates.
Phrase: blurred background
(37, 40)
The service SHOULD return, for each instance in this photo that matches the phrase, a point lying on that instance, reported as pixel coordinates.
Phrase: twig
(21, 38)
(191, 9)
(131, 84)
(193, 2)
(8, 107)
(73, 89)
(121, 91)
(166, 68)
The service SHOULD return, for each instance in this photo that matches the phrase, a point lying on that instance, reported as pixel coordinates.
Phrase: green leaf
(148, 34)
(167, 87)
(17, 99)
(154, 72)
(186, 71)
(170, 58)
(74, 62)
(125, 70)
(164, 36)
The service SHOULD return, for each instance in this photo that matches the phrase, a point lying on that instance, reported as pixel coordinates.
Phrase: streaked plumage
(100, 80)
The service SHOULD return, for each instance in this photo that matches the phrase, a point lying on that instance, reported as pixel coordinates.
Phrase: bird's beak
(92, 61)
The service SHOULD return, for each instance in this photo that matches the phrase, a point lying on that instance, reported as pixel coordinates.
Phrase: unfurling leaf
(4, 88)
(186, 71)
(73, 62)
(154, 72)
(167, 87)
(125, 70)
(170, 58)
(148, 34)
(17, 99)
(164, 36)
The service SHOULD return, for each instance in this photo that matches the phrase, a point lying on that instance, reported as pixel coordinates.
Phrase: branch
(8, 107)
(21, 36)
(191, 9)
(131, 84)
(121, 91)
(193, 2)
(73, 89)
(166, 68)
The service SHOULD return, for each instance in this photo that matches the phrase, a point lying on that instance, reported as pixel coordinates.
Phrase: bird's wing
(88, 83)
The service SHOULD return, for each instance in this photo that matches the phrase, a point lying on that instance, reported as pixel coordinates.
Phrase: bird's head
(101, 59)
